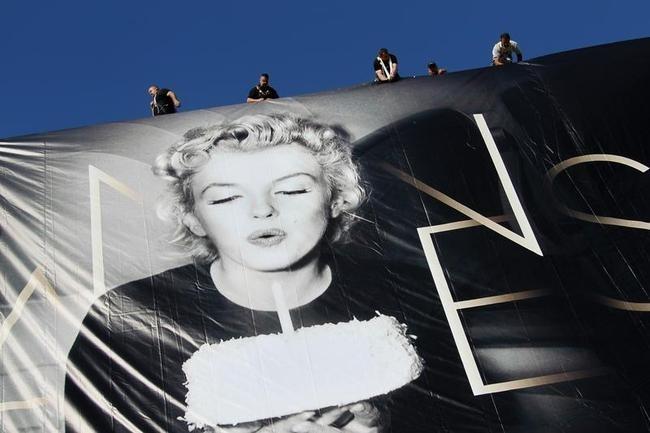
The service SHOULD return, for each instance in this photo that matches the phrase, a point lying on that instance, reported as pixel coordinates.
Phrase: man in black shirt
(163, 101)
(262, 91)
(385, 67)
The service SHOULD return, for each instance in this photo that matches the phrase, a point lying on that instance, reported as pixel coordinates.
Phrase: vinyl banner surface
(465, 253)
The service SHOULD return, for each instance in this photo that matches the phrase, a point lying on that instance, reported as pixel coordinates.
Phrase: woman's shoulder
(171, 285)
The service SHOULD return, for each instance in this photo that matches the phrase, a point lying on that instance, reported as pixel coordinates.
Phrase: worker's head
(153, 89)
(505, 39)
(432, 69)
(262, 191)
(264, 79)
(383, 54)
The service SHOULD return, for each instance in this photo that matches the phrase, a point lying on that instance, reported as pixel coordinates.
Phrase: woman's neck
(252, 289)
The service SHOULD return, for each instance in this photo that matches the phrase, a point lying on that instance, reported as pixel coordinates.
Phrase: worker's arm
(496, 54)
(393, 71)
(520, 56)
(175, 100)
(253, 96)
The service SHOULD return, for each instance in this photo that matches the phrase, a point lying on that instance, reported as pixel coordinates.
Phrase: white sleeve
(495, 50)
(515, 47)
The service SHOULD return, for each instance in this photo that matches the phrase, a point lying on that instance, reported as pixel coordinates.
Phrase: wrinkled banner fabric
(468, 253)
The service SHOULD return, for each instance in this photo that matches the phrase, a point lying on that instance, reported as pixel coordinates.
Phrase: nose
(262, 208)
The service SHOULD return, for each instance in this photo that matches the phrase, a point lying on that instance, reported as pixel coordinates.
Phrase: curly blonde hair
(185, 158)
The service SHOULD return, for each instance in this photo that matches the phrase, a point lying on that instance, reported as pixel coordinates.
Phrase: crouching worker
(163, 101)
(502, 51)
(385, 67)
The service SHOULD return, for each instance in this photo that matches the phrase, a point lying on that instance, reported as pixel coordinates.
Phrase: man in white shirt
(502, 51)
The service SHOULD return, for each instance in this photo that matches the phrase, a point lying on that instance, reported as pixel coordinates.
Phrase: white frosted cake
(269, 376)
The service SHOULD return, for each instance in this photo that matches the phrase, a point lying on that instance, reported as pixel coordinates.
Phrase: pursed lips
(266, 238)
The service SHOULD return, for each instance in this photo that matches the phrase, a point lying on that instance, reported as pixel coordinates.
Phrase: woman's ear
(337, 206)
(192, 223)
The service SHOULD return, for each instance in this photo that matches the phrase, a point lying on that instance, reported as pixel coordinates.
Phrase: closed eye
(223, 200)
(294, 191)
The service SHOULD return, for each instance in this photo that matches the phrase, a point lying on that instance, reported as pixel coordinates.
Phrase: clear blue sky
(75, 63)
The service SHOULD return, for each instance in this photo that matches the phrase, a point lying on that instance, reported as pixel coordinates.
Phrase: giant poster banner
(468, 253)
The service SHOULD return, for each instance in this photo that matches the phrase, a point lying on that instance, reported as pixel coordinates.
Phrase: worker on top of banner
(502, 51)
(385, 67)
(163, 101)
(262, 91)
(433, 70)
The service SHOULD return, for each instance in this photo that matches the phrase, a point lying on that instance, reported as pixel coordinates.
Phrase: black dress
(124, 370)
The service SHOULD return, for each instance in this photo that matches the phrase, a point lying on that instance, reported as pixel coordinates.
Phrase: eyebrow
(217, 184)
(301, 173)
(280, 179)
